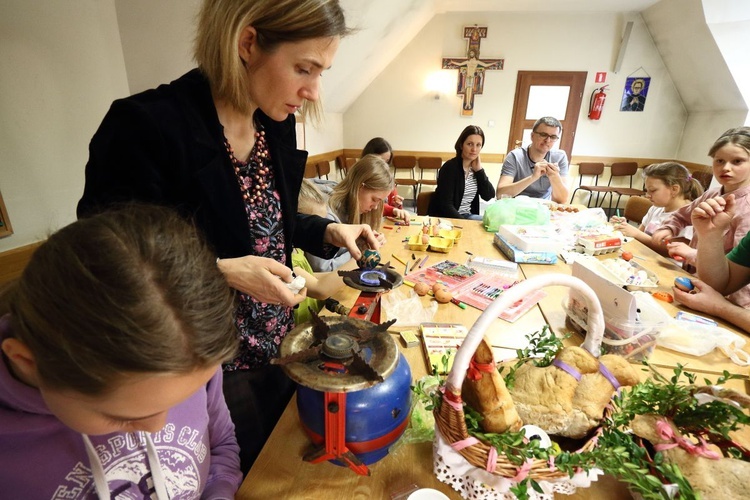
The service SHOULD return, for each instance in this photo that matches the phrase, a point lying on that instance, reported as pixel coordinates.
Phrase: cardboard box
(532, 238)
(521, 257)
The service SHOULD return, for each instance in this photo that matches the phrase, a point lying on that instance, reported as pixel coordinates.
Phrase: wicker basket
(470, 470)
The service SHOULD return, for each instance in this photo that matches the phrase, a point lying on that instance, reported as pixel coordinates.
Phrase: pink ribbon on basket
(454, 400)
(491, 460)
(523, 471)
(464, 443)
(476, 369)
(665, 431)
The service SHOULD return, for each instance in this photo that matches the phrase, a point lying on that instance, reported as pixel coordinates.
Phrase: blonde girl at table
(219, 144)
(731, 168)
(358, 199)
(320, 286)
(669, 186)
(110, 378)
(723, 274)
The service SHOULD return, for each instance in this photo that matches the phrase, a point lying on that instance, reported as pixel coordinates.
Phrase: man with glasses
(537, 171)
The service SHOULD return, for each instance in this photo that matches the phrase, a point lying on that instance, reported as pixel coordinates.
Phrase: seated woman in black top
(462, 180)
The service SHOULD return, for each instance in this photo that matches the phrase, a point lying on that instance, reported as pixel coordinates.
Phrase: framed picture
(634, 94)
(5, 228)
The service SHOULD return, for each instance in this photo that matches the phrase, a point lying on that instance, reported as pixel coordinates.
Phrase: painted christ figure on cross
(471, 69)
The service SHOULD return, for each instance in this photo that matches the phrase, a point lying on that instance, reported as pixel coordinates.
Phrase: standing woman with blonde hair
(219, 144)
(358, 199)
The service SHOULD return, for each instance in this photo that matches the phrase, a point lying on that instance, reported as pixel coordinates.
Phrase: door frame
(576, 80)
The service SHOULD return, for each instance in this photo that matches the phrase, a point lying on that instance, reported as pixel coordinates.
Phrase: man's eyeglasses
(553, 138)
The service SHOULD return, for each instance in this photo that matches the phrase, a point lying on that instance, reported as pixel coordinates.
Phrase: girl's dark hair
(133, 290)
(377, 146)
(470, 130)
(675, 174)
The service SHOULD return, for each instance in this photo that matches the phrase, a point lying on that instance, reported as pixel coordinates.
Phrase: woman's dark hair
(132, 290)
(378, 146)
(470, 130)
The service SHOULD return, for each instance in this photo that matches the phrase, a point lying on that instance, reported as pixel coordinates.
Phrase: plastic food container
(633, 340)
(631, 275)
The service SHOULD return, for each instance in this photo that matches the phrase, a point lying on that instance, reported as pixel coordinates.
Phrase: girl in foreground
(731, 167)
(110, 381)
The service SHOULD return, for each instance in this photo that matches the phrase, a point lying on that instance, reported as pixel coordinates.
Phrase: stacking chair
(621, 170)
(428, 163)
(401, 162)
(636, 208)
(703, 177)
(323, 168)
(590, 169)
(344, 163)
(311, 170)
(423, 202)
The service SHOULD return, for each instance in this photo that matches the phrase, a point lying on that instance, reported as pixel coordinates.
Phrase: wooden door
(547, 93)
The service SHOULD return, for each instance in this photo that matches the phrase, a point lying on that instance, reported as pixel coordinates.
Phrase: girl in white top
(669, 186)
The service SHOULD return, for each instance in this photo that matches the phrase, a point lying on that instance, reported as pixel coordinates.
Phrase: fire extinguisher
(597, 102)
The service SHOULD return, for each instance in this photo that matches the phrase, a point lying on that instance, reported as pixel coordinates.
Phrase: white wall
(325, 137)
(156, 40)
(62, 66)
(397, 106)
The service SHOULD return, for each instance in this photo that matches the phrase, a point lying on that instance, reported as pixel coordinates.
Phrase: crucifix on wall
(471, 69)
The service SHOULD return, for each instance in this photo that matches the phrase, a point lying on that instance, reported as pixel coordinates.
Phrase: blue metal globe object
(375, 417)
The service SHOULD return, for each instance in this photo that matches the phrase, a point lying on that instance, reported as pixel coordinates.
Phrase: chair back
(703, 177)
(344, 163)
(624, 168)
(405, 162)
(429, 163)
(324, 168)
(311, 170)
(636, 208)
(592, 168)
(423, 202)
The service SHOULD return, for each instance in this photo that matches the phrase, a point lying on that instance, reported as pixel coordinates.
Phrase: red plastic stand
(335, 428)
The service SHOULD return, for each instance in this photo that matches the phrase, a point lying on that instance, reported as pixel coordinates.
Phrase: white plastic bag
(698, 339)
(407, 310)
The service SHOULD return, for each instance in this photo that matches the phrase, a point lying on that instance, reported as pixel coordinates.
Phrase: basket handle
(591, 343)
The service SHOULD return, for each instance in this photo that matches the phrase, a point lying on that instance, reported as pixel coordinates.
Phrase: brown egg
(438, 286)
(422, 289)
(425, 239)
(443, 296)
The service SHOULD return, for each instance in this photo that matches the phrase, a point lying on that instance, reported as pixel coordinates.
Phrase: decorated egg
(443, 296)
(422, 289)
(438, 286)
(369, 260)
(683, 283)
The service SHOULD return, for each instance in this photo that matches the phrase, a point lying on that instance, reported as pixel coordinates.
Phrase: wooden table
(280, 472)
